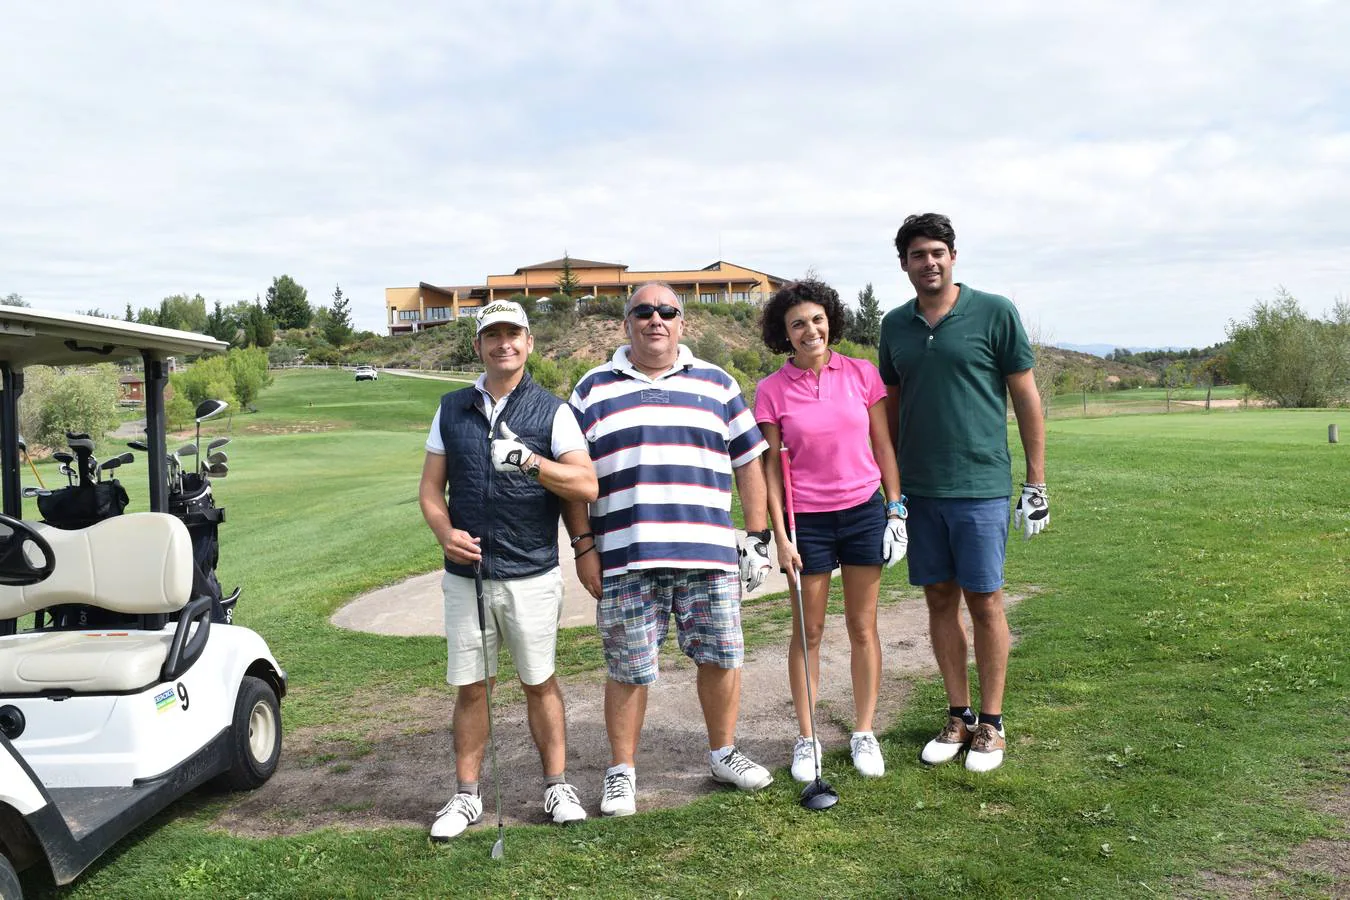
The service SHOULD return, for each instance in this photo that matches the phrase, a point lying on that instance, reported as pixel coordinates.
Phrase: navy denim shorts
(956, 538)
(850, 537)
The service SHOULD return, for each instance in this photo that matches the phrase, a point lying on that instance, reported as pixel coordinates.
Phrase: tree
(221, 325)
(568, 282)
(1176, 376)
(13, 300)
(288, 303)
(130, 316)
(1288, 357)
(337, 330)
(258, 328)
(867, 323)
(1047, 367)
(179, 311)
(55, 402)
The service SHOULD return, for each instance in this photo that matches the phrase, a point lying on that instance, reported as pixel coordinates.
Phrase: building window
(438, 313)
(407, 315)
(740, 296)
(707, 298)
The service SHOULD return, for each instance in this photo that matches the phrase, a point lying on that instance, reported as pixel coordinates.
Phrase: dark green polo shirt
(953, 407)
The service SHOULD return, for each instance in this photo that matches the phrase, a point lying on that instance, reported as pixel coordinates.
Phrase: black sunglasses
(646, 311)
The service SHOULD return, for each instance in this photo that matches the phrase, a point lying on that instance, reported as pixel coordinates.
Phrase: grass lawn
(1177, 703)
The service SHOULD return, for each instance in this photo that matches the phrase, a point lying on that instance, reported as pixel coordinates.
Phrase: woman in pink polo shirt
(829, 411)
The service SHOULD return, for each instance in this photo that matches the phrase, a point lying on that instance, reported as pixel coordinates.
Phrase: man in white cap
(500, 456)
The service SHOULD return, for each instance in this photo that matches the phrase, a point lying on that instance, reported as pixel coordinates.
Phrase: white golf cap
(502, 311)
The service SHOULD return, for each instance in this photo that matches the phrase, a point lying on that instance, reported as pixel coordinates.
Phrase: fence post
(1085, 401)
(1333, 434)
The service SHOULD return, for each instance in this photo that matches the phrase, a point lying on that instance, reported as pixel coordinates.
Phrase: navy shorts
(956, 538)
(850, 537)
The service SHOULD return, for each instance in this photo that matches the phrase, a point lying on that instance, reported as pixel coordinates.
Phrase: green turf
(1177, 696)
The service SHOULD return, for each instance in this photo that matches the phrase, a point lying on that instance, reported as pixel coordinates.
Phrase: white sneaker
(462, 811)
(803, 759)
(986, 748)
(738, 769)
(951, 740)
(620, 797)
(867, 755)
(562, 803)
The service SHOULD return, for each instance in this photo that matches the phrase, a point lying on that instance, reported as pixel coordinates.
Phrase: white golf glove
(755, 565)
(1033, 510)
(508, 453)
(894, 541)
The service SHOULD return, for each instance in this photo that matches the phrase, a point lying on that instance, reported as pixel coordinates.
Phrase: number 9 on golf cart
(118, 691)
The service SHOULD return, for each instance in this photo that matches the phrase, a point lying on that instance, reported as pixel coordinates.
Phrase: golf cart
(103, 725)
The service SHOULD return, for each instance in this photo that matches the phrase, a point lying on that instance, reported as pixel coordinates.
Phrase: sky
(1138, 176)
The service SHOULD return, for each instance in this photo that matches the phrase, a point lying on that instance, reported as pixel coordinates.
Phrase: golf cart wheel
(255, 736)
(9, 881)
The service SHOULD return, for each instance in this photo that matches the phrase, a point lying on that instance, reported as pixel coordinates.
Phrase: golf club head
(217, 444)
(218, 471)
(209, 408)
(30, 492)
(218, 458)
(139, 445)
(188, 449)
(63, 457)
(498, 849)
(819, 795)
(66, 470)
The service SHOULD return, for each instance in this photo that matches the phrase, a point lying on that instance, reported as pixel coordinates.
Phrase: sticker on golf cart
(166, 701)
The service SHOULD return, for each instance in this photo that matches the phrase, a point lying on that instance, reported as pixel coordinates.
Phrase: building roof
(574, 263)
(717, 267)
(449, 289)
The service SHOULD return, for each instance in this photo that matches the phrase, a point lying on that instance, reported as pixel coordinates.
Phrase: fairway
(1177, 701)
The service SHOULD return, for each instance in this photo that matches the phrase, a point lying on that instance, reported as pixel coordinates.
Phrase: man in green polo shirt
(949, 358)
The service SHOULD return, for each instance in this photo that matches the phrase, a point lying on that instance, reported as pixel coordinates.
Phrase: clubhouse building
(427, 305)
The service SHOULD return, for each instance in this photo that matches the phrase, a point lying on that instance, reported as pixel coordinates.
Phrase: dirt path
(330, 778)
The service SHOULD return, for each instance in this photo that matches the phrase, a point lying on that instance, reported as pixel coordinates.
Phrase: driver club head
(819, 795)
(139, 445)
(62, 456)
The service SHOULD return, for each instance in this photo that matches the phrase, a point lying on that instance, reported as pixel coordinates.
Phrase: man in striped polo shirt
(668, 432)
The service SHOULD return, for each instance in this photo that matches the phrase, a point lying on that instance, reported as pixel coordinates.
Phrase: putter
(819, 794)
(499, 848)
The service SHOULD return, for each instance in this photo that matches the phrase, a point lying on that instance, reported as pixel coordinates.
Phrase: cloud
(1136, 175)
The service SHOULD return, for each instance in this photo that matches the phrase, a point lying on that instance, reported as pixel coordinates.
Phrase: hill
(726, 334)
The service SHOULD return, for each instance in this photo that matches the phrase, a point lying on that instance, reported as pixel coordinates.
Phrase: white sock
(720, 753)
(621, 769)
(863, 734)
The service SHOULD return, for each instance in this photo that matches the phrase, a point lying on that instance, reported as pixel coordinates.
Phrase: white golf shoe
(562, 803)
(738, 769)
(620, 797)
(462, 811)
(986, 748)
(867, 755)
(804, 759)
(954, 737)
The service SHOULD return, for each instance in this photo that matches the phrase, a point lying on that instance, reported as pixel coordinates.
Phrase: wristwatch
(895, 509)
(532, 467)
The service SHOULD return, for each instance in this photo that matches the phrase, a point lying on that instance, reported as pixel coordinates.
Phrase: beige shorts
(522, 613)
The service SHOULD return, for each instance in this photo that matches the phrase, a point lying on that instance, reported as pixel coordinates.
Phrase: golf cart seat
(138, 564)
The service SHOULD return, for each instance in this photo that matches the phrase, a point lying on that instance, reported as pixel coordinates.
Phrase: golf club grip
(786, 466)
(478, 595)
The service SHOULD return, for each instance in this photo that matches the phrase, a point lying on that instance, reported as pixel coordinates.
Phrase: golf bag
(80, 506)
(196, 507)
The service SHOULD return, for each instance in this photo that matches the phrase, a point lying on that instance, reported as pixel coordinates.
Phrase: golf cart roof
(31, 337)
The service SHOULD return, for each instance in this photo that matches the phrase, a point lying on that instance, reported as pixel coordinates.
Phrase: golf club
(67, 466)
(216, 470)
(215, 459)
(818, 795)
(205, 410)
(83, 448)
(217, 444)
(498, 849)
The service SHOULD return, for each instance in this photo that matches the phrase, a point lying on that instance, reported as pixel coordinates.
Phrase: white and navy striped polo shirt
(664, 450)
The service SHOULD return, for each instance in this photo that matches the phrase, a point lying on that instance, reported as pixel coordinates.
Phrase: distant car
(366, 373)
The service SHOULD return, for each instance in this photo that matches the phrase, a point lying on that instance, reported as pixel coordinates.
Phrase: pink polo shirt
(824, 424)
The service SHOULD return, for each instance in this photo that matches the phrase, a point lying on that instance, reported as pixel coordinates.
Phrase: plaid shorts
(634, 615)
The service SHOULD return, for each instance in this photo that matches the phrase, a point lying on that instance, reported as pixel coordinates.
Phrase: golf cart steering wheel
(25, 556)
